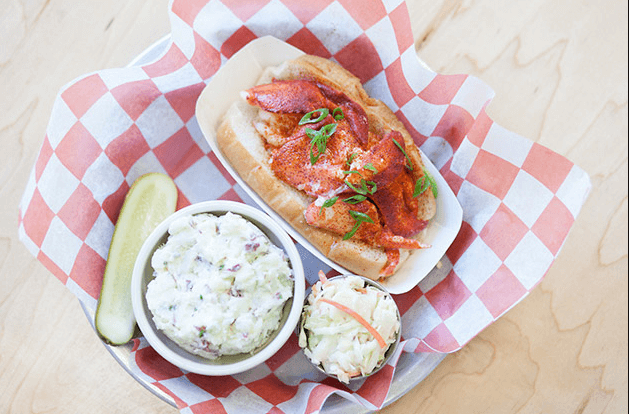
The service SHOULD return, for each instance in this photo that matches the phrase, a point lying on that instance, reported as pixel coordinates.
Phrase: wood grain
(559, 70)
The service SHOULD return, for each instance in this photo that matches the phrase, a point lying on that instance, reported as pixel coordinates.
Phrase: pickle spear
(151, 199)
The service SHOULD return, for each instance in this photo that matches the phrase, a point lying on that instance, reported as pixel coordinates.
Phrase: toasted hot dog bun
(243, 146)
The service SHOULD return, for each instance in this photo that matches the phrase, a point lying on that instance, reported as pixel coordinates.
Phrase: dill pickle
(151, 199)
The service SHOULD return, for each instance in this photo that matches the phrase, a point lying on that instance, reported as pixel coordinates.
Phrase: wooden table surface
(559, 69)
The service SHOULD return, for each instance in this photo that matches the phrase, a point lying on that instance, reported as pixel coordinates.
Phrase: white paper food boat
(241, 72)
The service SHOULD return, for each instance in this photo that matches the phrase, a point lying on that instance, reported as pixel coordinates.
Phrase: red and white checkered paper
(107, 128)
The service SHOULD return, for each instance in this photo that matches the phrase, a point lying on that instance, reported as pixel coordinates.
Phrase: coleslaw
(348, 325)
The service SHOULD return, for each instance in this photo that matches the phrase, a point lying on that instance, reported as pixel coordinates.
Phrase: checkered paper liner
(107, 128)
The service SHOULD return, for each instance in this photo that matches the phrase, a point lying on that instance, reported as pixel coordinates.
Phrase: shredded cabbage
(337, 341)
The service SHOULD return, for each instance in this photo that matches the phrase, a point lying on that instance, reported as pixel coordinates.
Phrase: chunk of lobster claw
(287, 97)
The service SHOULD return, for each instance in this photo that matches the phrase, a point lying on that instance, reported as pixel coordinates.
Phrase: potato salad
(220, 285)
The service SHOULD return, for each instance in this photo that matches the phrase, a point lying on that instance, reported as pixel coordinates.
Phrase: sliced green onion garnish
(433, 183)
(338, 113)
(350, 159)
(410, 163)
(356, 189)
(424, 183)
(328, 203)
(360, 218)
(328, 130)
(369, 166)
(364, 187)
(421, 185)
(320, 140)
(355, 199)
(307, 119)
